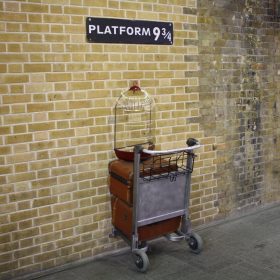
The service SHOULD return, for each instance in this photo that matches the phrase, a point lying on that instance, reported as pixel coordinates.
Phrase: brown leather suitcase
(121, 179)
(122, 220)
(121, 175)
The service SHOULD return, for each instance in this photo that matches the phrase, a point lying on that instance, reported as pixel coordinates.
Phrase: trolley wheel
(141, 261)
(195, 243)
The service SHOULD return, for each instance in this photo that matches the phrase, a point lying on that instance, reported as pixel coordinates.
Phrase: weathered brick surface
(239, 85)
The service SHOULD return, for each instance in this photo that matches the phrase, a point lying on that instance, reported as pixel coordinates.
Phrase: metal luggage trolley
(161, 191)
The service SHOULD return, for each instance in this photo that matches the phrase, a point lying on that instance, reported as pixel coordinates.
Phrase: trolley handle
(172, 151)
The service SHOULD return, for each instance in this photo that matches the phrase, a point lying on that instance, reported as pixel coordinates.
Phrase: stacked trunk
(121, 188)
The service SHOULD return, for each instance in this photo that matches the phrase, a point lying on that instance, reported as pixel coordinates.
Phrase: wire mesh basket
(167, 166)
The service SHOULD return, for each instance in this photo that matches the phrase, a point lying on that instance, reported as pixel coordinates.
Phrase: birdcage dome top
(135, 99)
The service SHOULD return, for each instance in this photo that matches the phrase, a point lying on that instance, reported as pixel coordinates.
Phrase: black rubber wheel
(195, 243)
(141, 261)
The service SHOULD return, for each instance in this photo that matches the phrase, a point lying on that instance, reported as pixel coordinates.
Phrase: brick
(44, 201)
(85, 211)
(114, 13)
(13, 7)
(36, 49)
(98, 3)
(39, 107)
(15, 68)
(64, 133)
(4, 219)
(46, 256)
(31, 27)
(64, 179)
(47, 219)
(20, 154)
(42, 145)
(98, 112)
(63, 170)
(4, 110)
(16, 57)
(25, 233)
(18, 109)
(86, 228)
(44, 192)
(35, 18)
(51, 18)
(209, 212)
(45, 229)
(31, 68)
(65, 206)
(19, 129)
(80, 85)
(5, 130)
(13, 37)
(44, 164)
(83, 158)
(8, 228)
(66, 224)
(58, 77)
(80, 104)
(61, 115)
(21, 168)
(22, 196)
(15, 78)
(42, 155)
(67, 242)
(26, 261)
(44, 183)
(75, 10)
(57, 38)
(56, 9)
(20, 138)
(84, 193)
(6, 257)
(41, 126)
(102, 216)
(16, 89)
(6, 170)
(12, 27)
(56, 29)
(23, 215)
(63, 124)
(23, 205)
(64, 188)
(8, 266)
(98, 76)
(34, 8)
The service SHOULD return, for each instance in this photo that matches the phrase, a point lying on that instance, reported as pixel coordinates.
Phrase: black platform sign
(122, 31)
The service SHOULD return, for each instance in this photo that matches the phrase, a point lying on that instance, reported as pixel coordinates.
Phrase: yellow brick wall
(57, 93)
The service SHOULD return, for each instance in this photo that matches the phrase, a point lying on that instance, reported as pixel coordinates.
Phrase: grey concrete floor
(240, 249)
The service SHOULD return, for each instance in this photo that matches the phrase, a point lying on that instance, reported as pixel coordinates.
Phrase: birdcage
(134, 122)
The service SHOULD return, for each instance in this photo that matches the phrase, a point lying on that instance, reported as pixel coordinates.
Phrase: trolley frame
(158, 197)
